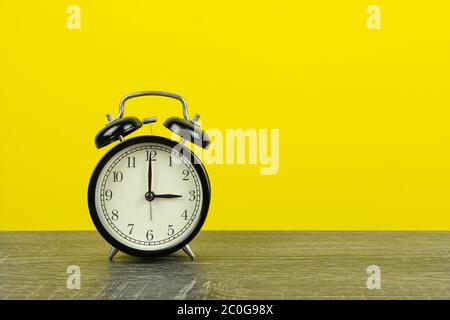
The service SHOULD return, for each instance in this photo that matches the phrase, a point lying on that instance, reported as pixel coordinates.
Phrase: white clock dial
(139, 221)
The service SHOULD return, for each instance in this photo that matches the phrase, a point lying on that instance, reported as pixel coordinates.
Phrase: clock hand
(149, 195)
(149, 174)
(151, 216)
(167, 196)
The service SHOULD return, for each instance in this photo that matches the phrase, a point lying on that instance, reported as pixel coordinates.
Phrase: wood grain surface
(231, 265)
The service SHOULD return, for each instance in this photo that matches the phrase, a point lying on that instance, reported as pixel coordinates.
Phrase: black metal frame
(188, 155)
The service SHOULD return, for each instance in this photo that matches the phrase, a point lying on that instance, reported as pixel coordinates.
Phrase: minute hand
(149, 176)
(167, 196)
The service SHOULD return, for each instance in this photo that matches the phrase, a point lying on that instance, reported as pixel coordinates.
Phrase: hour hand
(167, 196)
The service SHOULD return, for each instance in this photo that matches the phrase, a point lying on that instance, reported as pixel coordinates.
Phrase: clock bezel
(188, 155)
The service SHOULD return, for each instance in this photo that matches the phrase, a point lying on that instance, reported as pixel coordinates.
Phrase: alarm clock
(149, 196)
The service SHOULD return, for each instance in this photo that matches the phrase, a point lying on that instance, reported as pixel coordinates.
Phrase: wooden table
(231, 265)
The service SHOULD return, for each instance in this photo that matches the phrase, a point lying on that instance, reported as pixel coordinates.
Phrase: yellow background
(363, 114)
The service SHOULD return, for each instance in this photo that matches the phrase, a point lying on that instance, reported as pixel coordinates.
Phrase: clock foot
(112, 253)
(189, 252)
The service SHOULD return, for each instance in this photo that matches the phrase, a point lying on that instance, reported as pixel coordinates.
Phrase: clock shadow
(175, 276)
(129, 259)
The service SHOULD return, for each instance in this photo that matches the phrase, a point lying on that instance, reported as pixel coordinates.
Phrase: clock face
(149, 197)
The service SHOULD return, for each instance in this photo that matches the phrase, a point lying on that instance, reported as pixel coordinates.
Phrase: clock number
(193, 196)
(149, 235)
(170, 160)
(131, 226)
(185, 214)
(131, 162)
(170, 230)
(151, 155)
(117, 176)
(115, 215)
(108, 195)
(186, 175)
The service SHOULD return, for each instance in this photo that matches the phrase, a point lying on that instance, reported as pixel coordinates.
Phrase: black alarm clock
(149, 196)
